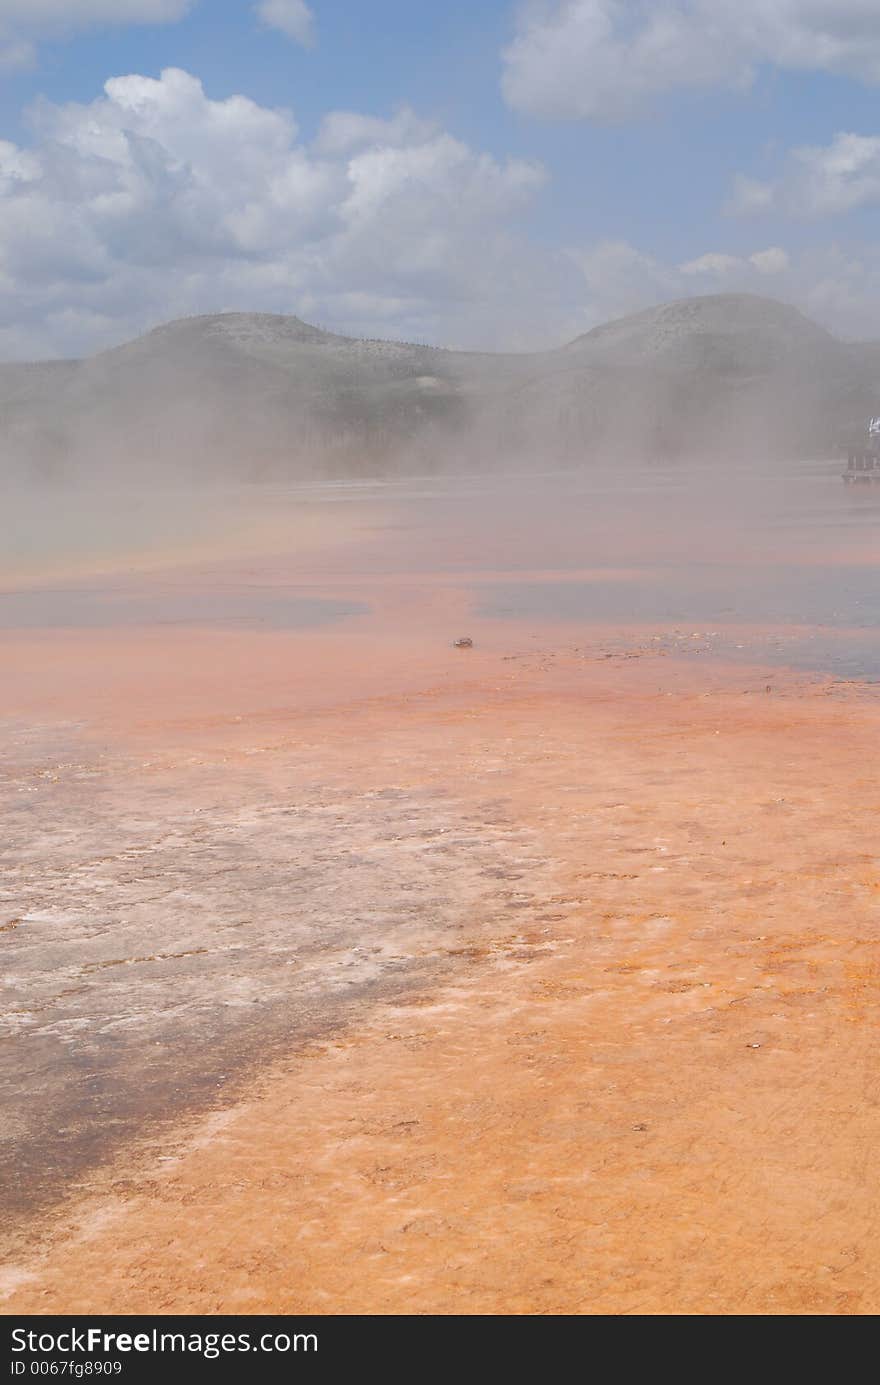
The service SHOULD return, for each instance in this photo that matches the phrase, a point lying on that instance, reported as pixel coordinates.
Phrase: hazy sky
(473, 173)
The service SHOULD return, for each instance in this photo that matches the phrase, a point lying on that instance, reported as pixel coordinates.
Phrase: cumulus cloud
(774, 260)
(711, 263)
(837, 288)
(771, 261)
(618, 278)
(820, 180)
(342, 132)
(155, 200)
(291, 17)
(601, 59)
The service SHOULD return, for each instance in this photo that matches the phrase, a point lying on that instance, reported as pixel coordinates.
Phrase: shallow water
(679, 547)
(99, 608)
(778, 594)
(778, 564)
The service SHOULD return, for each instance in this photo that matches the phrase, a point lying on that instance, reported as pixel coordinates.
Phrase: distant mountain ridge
(258, 395)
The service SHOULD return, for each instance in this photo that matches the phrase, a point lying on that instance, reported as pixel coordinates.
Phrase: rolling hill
(253, 395)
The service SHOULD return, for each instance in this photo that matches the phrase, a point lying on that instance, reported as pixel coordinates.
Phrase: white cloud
(24, 22)
(771, 261)
(291, 17)
(749, 195)
(342, 132)
(154, 201)
(821, 180)
(601, 59)
(79, 12)
(712, 263)
(619, 279)
(836, 288)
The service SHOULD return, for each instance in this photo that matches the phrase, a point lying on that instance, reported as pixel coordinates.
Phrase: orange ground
(657, 1095)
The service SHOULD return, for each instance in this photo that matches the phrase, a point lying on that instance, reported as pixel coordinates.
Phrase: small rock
(463, 642)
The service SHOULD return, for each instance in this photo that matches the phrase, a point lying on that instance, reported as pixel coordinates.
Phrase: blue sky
(507, 176)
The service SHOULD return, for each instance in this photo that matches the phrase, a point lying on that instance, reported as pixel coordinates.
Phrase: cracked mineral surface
(346, 972)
